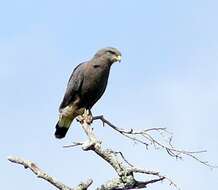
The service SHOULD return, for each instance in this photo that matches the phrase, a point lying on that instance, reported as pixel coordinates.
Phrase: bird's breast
(94, 84)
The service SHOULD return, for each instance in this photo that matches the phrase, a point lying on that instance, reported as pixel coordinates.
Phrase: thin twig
(74, 144)
(122, 156)
(144, 137)
(142, 171)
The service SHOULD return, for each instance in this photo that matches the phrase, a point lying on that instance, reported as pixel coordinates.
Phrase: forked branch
(125, 170)
(148, 137)
(43, 175)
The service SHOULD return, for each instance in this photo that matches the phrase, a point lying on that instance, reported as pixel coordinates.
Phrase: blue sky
(168, 78)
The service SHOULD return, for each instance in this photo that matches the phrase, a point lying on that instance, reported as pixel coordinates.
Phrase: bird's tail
(62, 126)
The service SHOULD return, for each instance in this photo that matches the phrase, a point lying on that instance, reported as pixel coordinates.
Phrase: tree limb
(126, 179)
(43, 175)
(124, 169)
(146, 138)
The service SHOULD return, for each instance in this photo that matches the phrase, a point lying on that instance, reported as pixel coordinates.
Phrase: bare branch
(154, 173)
(142, 184)
(126, 179)
(73, 145)
(122, 156)
(84, 185)
(124, 169)
(43, 175)
(123, 132)
(146, 138)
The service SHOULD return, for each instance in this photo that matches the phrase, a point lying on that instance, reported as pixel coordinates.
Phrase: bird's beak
(118, 58)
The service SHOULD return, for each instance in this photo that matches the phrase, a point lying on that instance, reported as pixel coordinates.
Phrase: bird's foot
(87, 115)
(80, 118)
(89, 119)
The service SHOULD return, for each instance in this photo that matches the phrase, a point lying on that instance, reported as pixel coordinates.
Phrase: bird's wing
(73, 86)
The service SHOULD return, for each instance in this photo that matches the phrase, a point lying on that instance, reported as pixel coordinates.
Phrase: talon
(89, 119)
(79, 118)
(87, 116)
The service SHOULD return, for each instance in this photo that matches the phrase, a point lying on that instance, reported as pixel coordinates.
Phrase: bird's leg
(88, 116)
(86, 121)
(85, 117)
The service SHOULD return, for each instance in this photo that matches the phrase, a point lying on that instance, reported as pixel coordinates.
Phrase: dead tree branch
(125, 179)
(146, 138)
(125, 170)
(43, 175)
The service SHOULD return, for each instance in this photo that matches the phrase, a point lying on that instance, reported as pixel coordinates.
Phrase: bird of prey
(85, 87)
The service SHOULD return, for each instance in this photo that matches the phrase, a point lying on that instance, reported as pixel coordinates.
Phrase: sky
(167, 78)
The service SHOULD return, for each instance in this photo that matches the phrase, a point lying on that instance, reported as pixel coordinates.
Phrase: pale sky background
(168, 78)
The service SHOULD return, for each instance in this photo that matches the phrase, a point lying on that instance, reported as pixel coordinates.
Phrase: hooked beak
(118, 58)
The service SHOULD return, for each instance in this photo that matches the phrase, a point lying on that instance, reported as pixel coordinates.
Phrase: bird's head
(111, 54)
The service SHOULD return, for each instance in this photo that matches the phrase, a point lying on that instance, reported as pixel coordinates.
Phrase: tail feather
(62, 127)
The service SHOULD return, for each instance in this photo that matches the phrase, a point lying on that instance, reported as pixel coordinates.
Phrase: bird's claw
(89, 119)
(79, 118)
(85, 117)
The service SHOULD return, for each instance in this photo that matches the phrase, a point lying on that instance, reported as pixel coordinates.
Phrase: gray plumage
(85, 87)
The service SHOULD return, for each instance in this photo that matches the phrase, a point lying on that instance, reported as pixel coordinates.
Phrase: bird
(85, 87)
